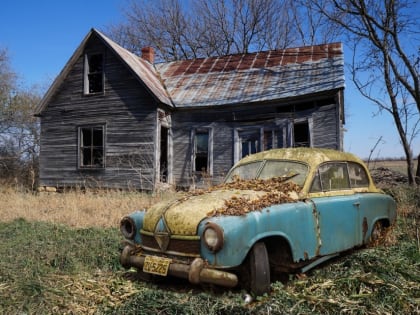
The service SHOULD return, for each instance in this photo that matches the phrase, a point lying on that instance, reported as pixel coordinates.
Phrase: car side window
(331, 176)
(358, 176)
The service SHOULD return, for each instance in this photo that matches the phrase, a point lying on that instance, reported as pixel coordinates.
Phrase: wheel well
(384, 222)
(279, 253)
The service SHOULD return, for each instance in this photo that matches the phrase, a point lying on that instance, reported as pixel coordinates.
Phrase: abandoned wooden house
(113, 119)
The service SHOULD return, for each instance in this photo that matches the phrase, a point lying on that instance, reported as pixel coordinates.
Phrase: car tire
(259, 269)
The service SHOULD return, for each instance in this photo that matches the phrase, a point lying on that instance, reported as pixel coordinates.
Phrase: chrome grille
(189, 247)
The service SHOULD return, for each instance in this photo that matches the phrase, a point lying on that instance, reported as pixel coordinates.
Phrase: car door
(336, 208)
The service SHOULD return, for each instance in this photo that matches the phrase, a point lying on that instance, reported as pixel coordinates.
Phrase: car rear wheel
(259, 269)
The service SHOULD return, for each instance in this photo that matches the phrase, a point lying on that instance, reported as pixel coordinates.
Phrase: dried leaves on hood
(278, 191)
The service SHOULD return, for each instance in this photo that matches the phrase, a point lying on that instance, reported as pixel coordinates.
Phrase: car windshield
(244, 171)
(289, 170)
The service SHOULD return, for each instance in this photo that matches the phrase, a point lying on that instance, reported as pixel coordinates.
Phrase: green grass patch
(48, 268)
(36, 258)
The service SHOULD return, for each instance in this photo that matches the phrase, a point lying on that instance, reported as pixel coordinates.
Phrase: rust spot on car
(315, 214)
(364, 227)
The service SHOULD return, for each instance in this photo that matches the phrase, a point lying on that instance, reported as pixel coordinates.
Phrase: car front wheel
(259, 269)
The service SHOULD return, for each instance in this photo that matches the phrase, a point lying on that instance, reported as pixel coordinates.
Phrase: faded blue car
(279, 211)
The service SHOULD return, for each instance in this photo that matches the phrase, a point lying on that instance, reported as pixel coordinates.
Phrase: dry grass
(76, 208)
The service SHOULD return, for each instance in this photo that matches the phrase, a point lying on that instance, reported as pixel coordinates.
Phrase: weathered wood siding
(129, 114)
(183, 122)
(326, 128)
(224, 121)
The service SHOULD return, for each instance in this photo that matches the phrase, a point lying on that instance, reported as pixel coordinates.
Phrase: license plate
(156, 265)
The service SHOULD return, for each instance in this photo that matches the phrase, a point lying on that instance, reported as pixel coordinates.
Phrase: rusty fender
(196, 272)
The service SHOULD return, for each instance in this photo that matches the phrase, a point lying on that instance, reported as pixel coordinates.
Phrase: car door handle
(356, 204)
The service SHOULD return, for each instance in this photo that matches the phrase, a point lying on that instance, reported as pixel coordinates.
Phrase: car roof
(310, 156)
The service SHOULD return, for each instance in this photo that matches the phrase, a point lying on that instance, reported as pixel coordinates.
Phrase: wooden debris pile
(384, 177)
(277, 190)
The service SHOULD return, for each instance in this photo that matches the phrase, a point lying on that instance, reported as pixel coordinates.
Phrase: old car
(278, 211)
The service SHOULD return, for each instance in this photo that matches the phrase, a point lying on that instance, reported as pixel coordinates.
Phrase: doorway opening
(301, 134)
(163, 161)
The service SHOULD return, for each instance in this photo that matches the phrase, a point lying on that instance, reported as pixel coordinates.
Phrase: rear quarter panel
(376, 207)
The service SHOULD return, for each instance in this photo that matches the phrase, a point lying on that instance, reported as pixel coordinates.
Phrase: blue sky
(42, 35)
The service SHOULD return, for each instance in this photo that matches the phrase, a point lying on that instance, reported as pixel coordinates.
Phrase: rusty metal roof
(254, 77)
(228, 80)
(240, 78)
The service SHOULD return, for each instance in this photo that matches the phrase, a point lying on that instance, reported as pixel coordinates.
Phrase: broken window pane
(91, 151)
(250, 140)
(201, 151)
(94, 73)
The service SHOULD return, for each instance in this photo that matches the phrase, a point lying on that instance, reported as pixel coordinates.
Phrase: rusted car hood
(183, 214)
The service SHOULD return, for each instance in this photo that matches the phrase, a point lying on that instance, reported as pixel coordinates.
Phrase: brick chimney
(148, 54)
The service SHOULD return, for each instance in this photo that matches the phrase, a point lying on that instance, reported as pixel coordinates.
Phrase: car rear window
(338, 176)
(358, 176)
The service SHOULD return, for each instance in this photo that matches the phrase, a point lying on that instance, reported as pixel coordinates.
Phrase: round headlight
(213, 237)
(128, 227)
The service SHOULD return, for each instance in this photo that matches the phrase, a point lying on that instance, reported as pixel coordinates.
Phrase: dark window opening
(163, 154)
(250, 141)
(301, 134)
(249, 147)
(91, 149)
(268, 140)
(94, 73)
(201, 158)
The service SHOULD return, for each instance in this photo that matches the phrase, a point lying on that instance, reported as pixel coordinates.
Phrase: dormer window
(94, 74)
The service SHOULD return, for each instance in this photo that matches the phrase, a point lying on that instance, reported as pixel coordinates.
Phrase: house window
(201, 148)
(91, 147)
(301, 134)
(250, 141)
(94, 73)
(269, 136)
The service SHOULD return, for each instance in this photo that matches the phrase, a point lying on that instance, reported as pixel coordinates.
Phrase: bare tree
(384, 36)
(215, 28)
(312, 27)
(19, 129)
(163, 24)
(241, 26)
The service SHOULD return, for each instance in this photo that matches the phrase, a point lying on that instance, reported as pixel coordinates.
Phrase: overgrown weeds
(75, 208)
(55, 268)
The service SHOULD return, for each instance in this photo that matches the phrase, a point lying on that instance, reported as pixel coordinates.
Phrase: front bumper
(196, 272)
